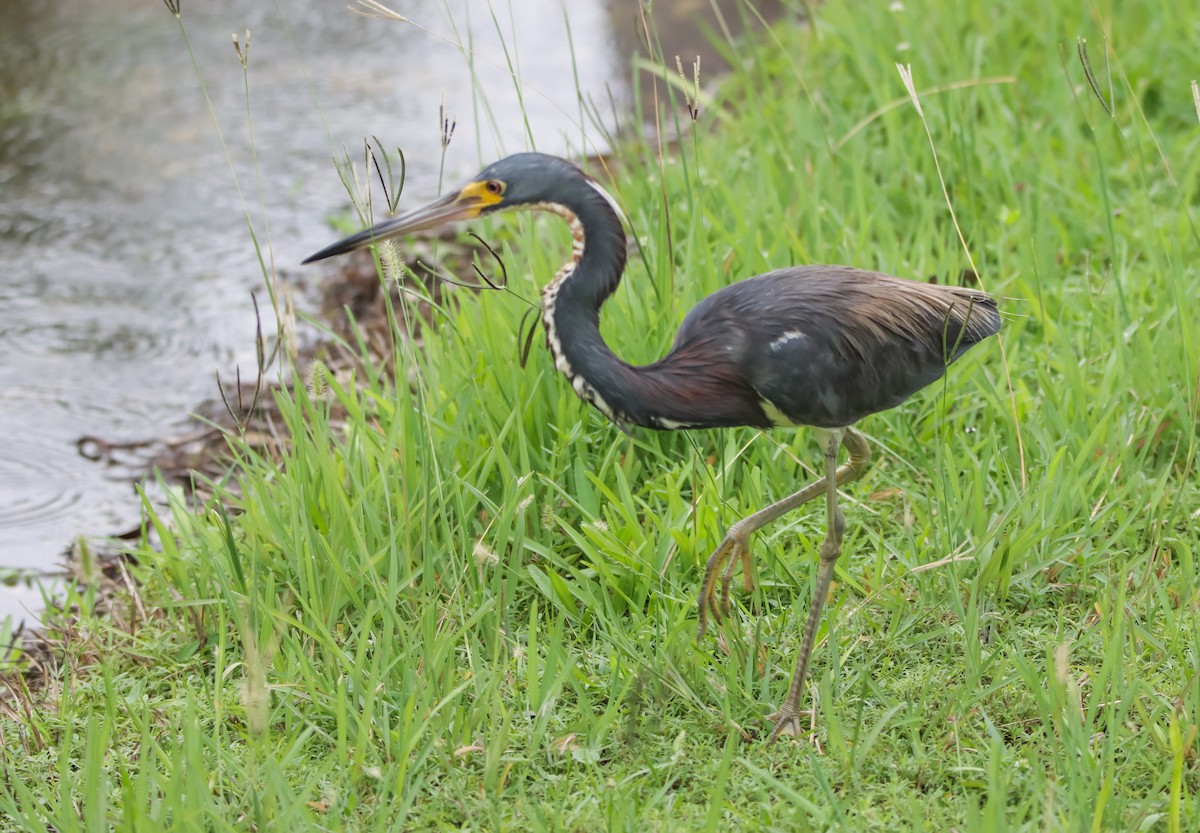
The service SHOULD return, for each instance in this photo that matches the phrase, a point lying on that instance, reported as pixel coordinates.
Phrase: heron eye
(494, 186)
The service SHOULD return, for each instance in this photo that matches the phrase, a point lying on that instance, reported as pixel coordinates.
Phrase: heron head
(523, 179)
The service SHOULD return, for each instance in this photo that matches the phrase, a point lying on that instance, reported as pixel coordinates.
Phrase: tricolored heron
(822, 346)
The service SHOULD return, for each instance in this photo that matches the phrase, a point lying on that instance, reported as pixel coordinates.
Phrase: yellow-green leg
(736, 546)
(787, 719)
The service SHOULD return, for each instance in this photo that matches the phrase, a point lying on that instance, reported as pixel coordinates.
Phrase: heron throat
(571, 303)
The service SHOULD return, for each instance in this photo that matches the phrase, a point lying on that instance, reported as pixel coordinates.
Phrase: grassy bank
(471, 604)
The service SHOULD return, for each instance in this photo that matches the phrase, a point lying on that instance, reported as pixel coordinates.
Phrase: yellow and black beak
(466, 204)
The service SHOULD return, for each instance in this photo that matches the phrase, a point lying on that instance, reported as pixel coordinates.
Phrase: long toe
(711, 607)
(726, 581)
(710, 602)
(739, 553)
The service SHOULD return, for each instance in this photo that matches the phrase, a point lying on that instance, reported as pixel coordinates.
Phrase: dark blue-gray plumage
(822, 346)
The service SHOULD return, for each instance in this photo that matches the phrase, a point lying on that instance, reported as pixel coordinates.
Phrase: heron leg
(737, 540)
(737, 544)
(787, 719)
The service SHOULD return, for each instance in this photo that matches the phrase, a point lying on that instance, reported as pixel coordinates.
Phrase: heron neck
(571, 303)
(666, 394)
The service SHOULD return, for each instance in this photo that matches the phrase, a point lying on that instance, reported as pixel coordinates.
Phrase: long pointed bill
(459, 205)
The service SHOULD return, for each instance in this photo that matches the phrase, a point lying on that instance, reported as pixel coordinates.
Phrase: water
(127, 263)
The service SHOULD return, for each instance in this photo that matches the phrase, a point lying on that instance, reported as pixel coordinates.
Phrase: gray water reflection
(126, 261)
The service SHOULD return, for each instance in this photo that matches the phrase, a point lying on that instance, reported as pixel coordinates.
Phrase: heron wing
(827, 345)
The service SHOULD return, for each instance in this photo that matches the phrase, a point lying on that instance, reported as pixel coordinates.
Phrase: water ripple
(33, 490)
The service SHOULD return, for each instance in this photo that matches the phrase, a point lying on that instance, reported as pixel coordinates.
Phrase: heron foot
(787, 722)
(715, 603)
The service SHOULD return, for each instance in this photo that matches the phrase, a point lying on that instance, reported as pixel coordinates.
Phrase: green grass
(470, 605)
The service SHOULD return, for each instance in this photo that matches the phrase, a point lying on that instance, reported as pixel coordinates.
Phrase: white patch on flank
(790, 335)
